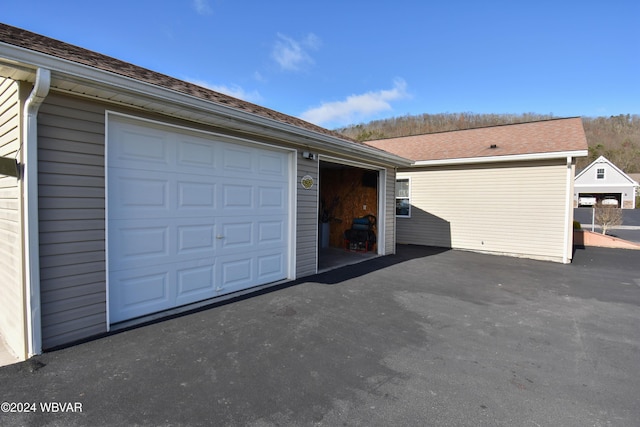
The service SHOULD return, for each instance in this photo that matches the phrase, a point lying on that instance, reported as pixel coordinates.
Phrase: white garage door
(190, 217)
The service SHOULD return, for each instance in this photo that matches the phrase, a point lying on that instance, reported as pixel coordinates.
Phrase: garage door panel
(145, 291)
(141, 148)
(272, 166)
(251, 235)
(237, 159)
(195, 284)
(197, 155)
(237, 235)
(213, 219)
(242, 162)
(139, 191)
(236, 273)
(198, 195)
(271, 232)
(270, 266)
(196, 240)
(141, 194)
(240, 273)
(271, 197)
(142, 243)
(138, 242)
(237, 196)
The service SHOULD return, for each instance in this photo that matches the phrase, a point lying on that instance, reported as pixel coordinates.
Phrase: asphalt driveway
(425, 337)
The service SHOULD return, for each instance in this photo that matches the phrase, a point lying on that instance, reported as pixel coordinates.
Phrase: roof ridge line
(479, 127)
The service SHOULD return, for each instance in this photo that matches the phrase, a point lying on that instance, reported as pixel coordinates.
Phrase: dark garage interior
(348, 200)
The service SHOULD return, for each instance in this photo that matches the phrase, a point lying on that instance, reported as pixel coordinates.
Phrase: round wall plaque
(307, 182)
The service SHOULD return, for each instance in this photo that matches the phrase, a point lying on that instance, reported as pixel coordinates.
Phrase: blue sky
(336, 63)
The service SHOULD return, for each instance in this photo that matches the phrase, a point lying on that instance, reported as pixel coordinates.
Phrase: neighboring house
(604, 182)
(636, 178)
(504, 189)
(136, 193)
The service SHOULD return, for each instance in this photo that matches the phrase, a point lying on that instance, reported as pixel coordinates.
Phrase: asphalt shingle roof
(39, 43)
(548, 136)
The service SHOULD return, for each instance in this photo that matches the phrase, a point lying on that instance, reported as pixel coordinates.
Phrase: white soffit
(498, 159)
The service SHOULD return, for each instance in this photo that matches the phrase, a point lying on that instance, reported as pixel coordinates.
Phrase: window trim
(408, 198)
(600, 173)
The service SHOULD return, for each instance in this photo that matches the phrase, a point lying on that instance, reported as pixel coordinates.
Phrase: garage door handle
(219, 237)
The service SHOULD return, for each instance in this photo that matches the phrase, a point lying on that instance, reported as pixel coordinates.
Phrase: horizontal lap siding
(12, 320)
(518, 209)
(390, 213)
(72, 220)
(306, 220)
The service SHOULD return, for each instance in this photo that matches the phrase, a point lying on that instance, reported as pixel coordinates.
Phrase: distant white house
(603, 182)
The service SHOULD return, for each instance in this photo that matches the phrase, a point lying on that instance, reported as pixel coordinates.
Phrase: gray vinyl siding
(517, 209)
(72, 211)
(12, 320)
(306, 220)
(72, 220)
(390, 213)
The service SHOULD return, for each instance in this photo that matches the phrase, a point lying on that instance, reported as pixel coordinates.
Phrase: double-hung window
(403, 197)
(600, 173)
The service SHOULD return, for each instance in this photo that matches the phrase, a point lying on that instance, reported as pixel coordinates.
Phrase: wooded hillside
(615, 137)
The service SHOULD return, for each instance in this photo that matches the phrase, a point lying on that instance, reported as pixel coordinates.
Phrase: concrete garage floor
(425, 337)
(330, 258)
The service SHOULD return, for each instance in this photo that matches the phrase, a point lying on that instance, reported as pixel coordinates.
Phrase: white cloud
(292, 54)
(231, 90)
(356, 107)
(259, 77)
(202, 7)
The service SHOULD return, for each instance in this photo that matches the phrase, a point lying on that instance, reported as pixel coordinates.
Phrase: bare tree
(608, 216)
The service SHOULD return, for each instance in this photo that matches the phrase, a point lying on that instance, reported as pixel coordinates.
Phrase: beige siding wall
(12, 302)
(72, 220)
(517, 209)
(306, 220)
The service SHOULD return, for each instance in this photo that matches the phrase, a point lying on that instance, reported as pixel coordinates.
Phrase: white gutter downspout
(568, 214)
(30, 215)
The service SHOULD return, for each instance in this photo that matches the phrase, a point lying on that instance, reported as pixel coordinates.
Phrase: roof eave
(140, 94)
(506, 158)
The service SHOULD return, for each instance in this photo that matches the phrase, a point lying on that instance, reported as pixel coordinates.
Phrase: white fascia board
(64, 69)
(497, 159)
(611, 185)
